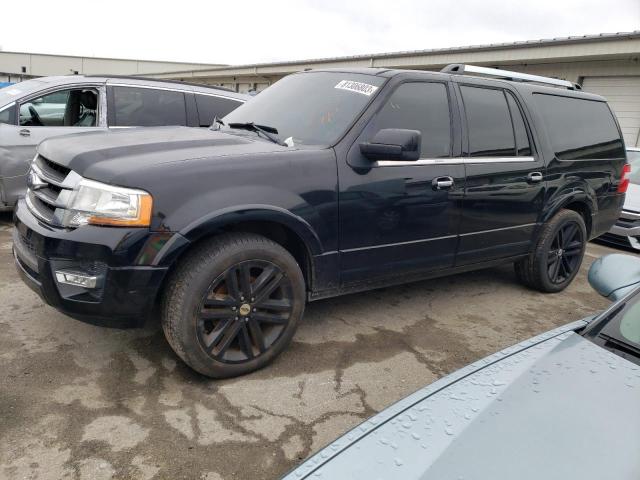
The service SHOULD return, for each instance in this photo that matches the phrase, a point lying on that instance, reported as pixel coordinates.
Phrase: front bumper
(123, 260)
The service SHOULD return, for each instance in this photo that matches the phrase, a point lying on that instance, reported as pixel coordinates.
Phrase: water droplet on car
(398, 462)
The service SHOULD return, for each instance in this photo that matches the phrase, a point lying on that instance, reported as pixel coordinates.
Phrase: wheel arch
(279, 225)
(580, 200)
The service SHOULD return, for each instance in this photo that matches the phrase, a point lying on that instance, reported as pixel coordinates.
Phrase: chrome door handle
(25, 133)
(534, 177)
(442, 183)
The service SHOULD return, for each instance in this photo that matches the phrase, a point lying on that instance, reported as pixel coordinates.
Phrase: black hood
(105, 155)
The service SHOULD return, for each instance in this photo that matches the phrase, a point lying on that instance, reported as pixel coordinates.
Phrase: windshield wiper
(263, 129)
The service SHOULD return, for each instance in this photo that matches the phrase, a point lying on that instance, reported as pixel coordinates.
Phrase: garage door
(623, 94)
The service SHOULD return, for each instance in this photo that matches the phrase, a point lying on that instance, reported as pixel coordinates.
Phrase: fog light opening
(76, 278)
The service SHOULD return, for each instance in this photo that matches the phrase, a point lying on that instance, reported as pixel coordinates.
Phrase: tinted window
(488, 122)
(314, 108)
(423, 107)
(8, 115)
(147, 107)
(580, 128)
(522, 139)
(209, 107)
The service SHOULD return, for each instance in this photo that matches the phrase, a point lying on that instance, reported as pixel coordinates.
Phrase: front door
(505, 185)
(61, 112)
(396, 217)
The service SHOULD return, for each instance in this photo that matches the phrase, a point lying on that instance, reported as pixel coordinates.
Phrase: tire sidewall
(544, 247)
(213, 267)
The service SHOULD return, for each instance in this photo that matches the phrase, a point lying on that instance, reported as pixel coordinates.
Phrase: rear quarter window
(580, 129)
(210, 106)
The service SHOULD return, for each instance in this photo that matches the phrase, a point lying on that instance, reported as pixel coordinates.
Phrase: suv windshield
(634, 160)
(313, 108)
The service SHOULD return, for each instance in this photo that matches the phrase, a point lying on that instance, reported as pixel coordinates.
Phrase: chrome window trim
(8, 106)
(452, 161)
(168, 89)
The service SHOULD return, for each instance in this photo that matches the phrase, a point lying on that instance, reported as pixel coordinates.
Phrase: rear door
(505, 186)
(40, 116)
(394, 218)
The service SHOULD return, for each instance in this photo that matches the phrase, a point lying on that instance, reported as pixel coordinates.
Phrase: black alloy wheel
(245, 311)
(233, 304)
(565, 254)
(557, 253)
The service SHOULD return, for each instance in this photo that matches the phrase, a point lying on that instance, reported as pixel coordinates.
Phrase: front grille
(49, 187)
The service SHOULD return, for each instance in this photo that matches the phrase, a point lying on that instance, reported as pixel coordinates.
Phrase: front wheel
(233, 304)
(558, 254)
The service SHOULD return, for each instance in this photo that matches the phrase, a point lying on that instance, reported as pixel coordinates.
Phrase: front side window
(8, 115)
(580, 129)
(488, 122)
(423, 107)
(148, 107)
(210, 106)
(314, 108)
(76, 107)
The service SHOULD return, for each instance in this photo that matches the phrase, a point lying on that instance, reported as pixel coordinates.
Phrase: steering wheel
(35, 117)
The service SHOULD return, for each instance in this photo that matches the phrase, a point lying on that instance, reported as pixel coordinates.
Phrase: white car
(626, 231)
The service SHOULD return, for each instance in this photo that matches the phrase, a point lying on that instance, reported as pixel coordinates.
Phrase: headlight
(97, 203)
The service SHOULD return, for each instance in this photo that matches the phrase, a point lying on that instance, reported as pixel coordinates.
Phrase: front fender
(254, 212)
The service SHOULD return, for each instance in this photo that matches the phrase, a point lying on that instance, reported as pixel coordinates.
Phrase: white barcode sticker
(358, 87)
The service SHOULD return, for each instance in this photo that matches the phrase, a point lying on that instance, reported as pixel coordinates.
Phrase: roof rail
(461, 69)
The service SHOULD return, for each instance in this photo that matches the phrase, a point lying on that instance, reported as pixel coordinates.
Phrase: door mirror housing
(393, 144)
(615, 275)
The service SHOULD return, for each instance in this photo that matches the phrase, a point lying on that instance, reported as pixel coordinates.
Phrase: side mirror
(393, 144)
(615, 275)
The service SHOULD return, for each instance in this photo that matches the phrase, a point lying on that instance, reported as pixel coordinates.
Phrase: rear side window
(488, 122)
(423, 107)
(8, 115)
(580, 129)
(210, 107)
(148, 107)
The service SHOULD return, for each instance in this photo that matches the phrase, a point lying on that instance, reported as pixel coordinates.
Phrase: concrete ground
(84, 402)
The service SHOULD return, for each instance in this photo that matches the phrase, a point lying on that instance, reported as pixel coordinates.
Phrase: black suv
(329, 182)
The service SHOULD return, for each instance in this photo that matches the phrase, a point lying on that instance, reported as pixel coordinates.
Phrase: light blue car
(562, 405)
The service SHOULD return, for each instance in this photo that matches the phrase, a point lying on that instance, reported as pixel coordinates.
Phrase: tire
(557, 256)
(209, 322)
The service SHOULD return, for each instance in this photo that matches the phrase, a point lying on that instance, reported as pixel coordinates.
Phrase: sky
(252, 31)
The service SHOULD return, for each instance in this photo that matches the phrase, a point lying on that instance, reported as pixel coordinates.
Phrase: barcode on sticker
(358, 87)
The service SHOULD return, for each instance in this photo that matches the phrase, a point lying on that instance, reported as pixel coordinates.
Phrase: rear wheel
(233, 304)
(558, 254)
